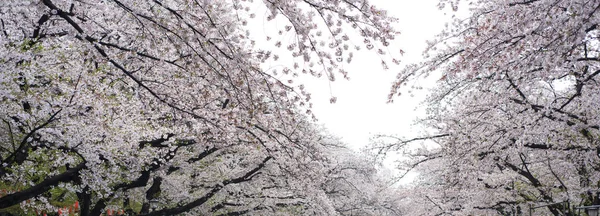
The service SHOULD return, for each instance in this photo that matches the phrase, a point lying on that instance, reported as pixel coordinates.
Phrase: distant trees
(514, 120)
(355, 187)
(162, 108)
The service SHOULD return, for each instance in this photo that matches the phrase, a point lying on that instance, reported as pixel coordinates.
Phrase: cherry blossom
(162, 107)
(513, 121)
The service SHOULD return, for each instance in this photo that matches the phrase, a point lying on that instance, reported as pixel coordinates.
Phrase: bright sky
(361, 110)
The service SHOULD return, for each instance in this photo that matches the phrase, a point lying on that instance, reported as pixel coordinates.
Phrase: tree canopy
(513, 121)
(162, 107)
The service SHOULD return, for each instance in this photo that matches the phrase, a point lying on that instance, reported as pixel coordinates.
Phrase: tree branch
(38, 189)
(216, 188)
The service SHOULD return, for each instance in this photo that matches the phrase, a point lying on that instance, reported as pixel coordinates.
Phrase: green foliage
(31, 45)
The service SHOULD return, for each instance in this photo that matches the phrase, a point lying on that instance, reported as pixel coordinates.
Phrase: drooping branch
(128, 73)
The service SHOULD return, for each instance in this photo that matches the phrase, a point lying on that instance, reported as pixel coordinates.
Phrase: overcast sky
(361, 109)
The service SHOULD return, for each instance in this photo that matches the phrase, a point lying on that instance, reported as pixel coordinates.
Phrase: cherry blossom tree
(162, 107)
(513, 122)
(355, 185)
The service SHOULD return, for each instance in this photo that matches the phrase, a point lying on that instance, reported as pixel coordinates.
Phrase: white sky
(361, 110)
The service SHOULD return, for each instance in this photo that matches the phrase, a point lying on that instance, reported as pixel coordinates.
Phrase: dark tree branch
(128, 73)
(38, 189)
(85, 200)
(203, 155)
(216, 188)
(21, 153)
(522, 3)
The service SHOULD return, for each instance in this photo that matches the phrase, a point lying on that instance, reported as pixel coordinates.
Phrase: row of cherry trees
(514, 120)
(162, 108)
